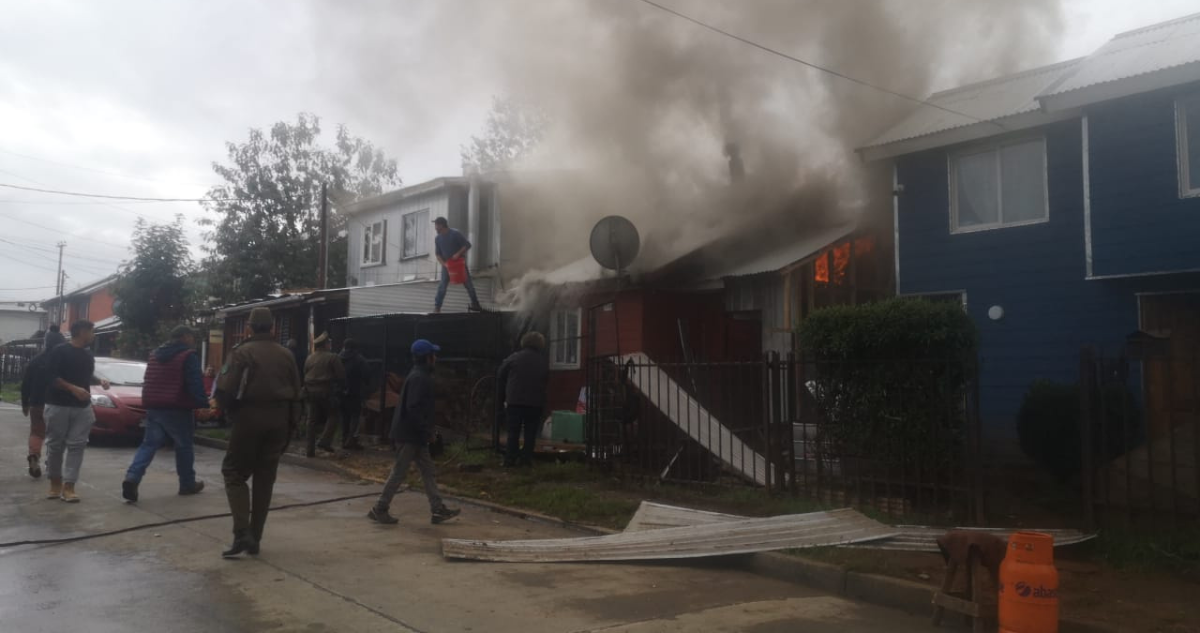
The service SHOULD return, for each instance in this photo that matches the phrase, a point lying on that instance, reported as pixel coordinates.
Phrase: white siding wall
(415, 297)
(763, 293)
(395, 268)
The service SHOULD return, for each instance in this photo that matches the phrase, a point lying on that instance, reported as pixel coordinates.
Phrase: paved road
(326, 568)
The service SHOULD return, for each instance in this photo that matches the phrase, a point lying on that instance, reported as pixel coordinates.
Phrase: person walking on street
(69, 415)
(260, 389)
(172, 389)
(33, 406)
(451, 244)
(324, 380)
(522, 390)
(413, 430)
(355, 391)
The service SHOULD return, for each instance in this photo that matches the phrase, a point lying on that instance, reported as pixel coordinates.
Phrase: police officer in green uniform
(260, 388)
(324, 380)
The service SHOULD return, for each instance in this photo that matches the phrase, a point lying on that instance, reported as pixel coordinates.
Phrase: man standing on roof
(324, 379)
(413, 431)
(451, 244)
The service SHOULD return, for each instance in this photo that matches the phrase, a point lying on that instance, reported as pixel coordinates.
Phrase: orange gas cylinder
(456, 267)
(1029, 585)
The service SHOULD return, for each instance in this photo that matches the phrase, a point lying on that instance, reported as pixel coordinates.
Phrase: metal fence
(1140, 422)
(14, 356)
(897, 436)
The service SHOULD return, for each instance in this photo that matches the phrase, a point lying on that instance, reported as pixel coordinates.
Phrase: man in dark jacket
(356, 390)
(54, 338)
(412, 430)
(33, 406)
(522, 391)
(172, 389)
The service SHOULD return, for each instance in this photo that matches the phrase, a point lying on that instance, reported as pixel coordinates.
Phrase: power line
(101, 171)
(818, 67)
(60, 232)
(107, 197)
(51, 251)
(20, 289)
(30, 264)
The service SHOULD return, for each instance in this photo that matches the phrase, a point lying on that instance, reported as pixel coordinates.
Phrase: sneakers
(129, 491)
(56, 487)
(195, 490)
(443, 514)
(35, 466)
(68, 493)
(382, 517)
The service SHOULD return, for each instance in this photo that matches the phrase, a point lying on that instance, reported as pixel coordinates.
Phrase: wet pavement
(326, 568)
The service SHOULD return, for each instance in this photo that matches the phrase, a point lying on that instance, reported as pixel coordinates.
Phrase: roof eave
(393, 197)
(1148, 82)
(965, 134)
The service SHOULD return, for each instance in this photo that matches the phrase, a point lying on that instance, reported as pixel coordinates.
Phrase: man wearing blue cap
(412, 430)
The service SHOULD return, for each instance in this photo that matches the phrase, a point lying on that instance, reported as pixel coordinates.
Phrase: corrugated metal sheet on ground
(908, 538)
(1138, 52)
(415, 297)
(692, 418)
(744, 536)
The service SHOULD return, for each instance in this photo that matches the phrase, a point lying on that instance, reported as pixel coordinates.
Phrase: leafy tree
(265, 218)
(512, 129)
(151, 291)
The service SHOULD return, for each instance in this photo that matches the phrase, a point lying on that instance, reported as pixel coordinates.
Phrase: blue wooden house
(1061, 206)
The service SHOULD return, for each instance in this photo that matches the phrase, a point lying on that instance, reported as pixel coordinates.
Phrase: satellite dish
(615, 242)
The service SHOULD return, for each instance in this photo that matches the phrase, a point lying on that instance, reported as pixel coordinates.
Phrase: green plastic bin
(566, 426)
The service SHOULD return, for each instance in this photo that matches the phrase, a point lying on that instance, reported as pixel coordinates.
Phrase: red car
(119, 411)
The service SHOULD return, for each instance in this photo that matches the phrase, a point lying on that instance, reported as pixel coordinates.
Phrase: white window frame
(422, 248)
(995, 147)
(560, 338)
(1187, 189)
(368, 234)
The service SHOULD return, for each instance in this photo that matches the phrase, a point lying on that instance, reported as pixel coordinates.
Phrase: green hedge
(1048, 426)
(891, 379)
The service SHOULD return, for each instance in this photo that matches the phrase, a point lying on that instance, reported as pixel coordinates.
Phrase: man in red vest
(172, 389)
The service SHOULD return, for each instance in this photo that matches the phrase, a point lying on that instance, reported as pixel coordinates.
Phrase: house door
(1172, 380)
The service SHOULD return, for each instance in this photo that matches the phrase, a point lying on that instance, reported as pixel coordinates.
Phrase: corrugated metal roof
(1139, 52)
(415, 297)
(744, 536)
(987, 103)
(810, 244)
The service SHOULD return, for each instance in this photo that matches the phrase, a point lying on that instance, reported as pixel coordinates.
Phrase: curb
(299, 461)
(896, 593)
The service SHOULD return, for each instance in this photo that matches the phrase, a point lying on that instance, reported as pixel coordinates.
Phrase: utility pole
(61, 283)
(323, 249)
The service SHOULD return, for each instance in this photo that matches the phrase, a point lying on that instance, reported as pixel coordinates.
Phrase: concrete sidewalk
(326, 568)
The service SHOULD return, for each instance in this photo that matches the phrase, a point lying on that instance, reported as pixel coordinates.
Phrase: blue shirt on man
(449, 243)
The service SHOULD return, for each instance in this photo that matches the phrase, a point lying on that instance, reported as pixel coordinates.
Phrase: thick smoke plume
(644, 104)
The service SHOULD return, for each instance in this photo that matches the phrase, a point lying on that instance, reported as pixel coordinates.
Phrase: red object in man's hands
(456, 267)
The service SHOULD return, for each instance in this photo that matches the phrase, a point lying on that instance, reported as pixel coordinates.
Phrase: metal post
(323, 247)
(60, 283)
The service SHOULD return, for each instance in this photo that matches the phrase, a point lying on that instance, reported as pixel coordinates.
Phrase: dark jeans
(406, 454)
(351, 416)
(444, 284)
(323, 411)
(529, 420)
(161, 424)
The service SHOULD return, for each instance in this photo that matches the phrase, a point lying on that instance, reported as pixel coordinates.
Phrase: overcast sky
(137, 98)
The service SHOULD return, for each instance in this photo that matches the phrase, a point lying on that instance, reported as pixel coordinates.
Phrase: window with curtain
(374, 242)
(1003, 184)
(416, 234)
(565, 338)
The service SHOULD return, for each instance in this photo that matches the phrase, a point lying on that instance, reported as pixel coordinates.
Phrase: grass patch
(216, 434)
(11, 393)
(1177, 551)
